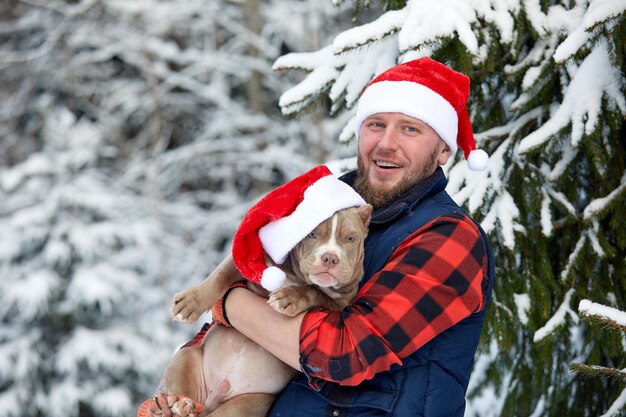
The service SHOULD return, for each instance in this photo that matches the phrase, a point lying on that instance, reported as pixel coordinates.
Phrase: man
(405, 346)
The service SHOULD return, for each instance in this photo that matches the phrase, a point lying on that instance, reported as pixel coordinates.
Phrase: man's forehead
(390, 115)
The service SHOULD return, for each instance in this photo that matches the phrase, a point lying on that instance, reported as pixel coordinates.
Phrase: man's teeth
(384, 164)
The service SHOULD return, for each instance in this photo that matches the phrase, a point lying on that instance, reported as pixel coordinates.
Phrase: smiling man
(405, 345)
(393, 156)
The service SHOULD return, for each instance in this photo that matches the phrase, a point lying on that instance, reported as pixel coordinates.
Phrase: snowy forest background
(134, 134)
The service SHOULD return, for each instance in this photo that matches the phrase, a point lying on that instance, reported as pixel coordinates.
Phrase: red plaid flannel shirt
(432, 281)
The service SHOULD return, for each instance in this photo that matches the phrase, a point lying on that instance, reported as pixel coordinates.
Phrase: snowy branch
(605, 313)
(582, 102)
(558, 319)
(599, 205)
(617, 408)
(599, 12)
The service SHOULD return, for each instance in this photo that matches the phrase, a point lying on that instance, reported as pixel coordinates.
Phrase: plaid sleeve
(431, 282)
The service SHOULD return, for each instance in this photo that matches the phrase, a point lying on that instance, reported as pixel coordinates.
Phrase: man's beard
(380, 198)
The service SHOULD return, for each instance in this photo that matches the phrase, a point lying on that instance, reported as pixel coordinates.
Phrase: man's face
(395, 152)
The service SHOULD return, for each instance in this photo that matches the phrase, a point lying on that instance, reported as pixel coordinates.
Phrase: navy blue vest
(433, 380)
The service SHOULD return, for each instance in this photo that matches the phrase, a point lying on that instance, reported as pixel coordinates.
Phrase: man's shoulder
(447, 222)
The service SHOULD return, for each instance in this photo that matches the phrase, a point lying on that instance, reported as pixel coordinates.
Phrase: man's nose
(388, 139)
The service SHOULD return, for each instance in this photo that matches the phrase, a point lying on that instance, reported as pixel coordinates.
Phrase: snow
(356, 74)
(428, 21)
(546, 214)
(562, 199)
(103, 285)
(617, 408)
(540, 408)
(502, 17)
(128, 158)
(490, 402)
(600, 11)
(388, 23)
(592, 233)
(589, 308)
(582, 102)
(302, 61)
(568, 154)
(573, 256)
(531, 77)
(503, 211)
(19, 357)
(62, 398)
(558, 318)
(35, 165)
(599, 204)
(321, 75)
(576, 40)
(522, 302)
(136, 6)
(11, 403)
(30, 295)
(113, 401)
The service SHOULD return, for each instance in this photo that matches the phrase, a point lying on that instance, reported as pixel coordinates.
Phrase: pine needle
(598, 371)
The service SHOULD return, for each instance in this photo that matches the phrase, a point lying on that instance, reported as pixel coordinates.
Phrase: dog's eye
(351, 239)
(312, 235)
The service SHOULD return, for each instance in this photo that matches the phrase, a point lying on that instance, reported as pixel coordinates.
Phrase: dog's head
(331, 256)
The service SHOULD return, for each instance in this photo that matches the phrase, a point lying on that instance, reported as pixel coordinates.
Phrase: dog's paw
(288, 301)
(184, 407)
(187, 306)
(170, 404)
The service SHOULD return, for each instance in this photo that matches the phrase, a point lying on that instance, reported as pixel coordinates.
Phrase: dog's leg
(245, 405)
(184, 374)
(182, 385)
(190, 304)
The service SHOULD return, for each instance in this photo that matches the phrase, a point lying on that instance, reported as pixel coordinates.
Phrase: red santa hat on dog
(284, 217)
(429, 91)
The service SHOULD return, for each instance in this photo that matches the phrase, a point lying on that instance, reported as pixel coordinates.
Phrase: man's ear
(444, 153)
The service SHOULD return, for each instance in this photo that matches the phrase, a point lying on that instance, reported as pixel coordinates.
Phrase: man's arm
(277, 333)
(432, 281)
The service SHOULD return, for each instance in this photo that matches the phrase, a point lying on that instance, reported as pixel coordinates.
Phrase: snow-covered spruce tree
(76, 251)
(129, 150)
(548, 105)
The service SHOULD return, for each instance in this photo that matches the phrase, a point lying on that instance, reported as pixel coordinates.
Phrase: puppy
(229, 374)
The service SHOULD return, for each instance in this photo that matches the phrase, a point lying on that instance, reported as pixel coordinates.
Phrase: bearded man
(406, 344)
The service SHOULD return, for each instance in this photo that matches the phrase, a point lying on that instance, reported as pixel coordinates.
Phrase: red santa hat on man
(429, 91)
(284, 217)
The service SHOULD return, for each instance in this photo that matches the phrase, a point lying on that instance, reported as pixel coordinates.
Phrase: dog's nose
(330, 259)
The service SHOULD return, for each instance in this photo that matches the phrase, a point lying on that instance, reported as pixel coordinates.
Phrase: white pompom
(478, 160)
(273, 278)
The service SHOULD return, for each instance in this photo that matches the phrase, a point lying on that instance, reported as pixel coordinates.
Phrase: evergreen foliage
(129, 151)
(132, 141)
(548, 104)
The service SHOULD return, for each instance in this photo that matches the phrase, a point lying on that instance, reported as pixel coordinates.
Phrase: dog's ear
(365, 212)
